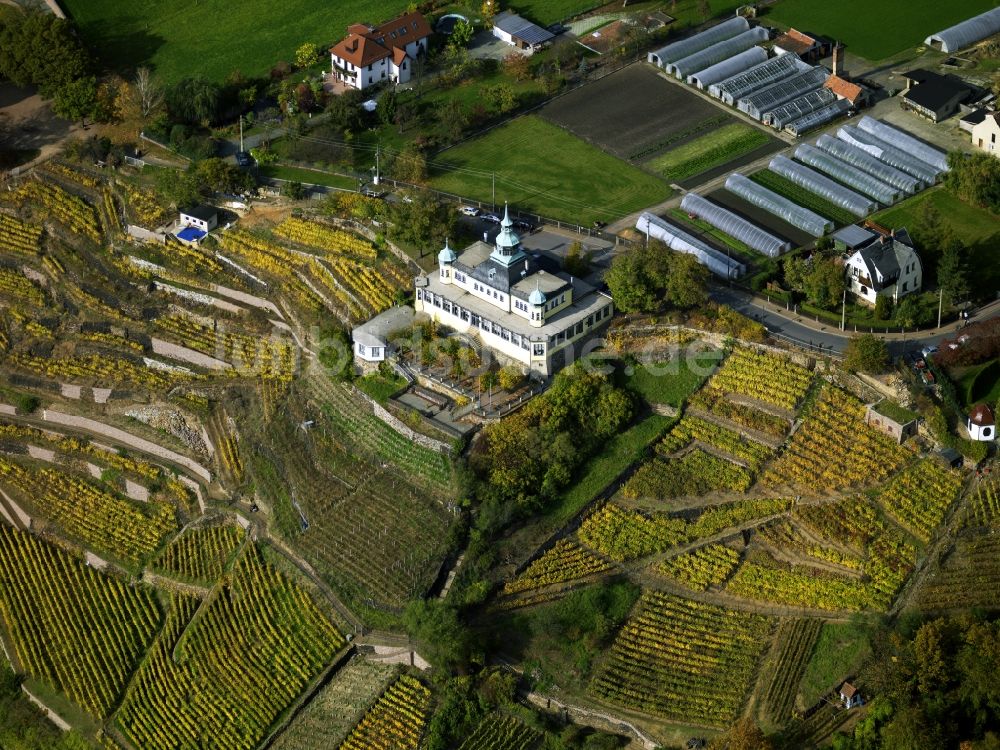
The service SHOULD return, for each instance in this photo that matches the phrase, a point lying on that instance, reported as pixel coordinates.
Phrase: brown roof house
(380, 54)
(982, 425)
(844, 89)
(850, 696)
(794, 42)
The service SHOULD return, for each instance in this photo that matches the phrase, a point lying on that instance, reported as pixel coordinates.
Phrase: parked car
(244, 159)
(927, 351)
(491, 218)
(523, 225)
(373, 193)
(469, 211)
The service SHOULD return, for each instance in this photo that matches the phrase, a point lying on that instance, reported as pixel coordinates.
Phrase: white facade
(382, 54)
(205, 221)
(522, 313)
(986, 134)
(981, 424)
(886, 267)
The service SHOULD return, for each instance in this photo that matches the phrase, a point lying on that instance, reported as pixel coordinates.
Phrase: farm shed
(892, 419)
(723, 70)
(889, 154)
(903, 140)
(821, 116)
(755, 78)
(968, 32)
(204, 218)
(794, 42)
(758, 195)
(677, 239)
(519, 32)
(773, 96)
(848, 90)
(845, 173)
(735, 226)
(823, 186)
(935, 96)
(716, 53)
(687, 47)
(868, 163)
(852, 237)
(799, 107)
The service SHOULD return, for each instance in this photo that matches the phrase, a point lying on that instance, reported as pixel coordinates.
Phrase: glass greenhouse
(757, 77)
(799, 108)
(820, 117)
(723, 70)
(903, 140)
(735, 226)
(686, 47)
(677, 239)
(772, 97)
(717, 53)
(823, 186)
(845, 173)
(868, 163)
(889, 154)
(966, 33)
(806, 220)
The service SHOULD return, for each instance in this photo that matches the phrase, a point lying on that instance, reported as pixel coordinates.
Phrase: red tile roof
(364, 45)
(848, 690)
(844, 88)
(795, 41)
(981, 415)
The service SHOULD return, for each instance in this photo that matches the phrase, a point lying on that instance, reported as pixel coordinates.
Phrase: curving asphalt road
(826, 337)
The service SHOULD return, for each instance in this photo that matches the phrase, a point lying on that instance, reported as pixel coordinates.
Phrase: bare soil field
(760, 217)
(634, 113)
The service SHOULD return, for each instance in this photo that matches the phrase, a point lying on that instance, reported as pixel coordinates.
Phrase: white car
(469, 210)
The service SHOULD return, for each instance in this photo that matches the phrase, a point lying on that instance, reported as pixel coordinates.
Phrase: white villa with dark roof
(519, 311)
(882, 265)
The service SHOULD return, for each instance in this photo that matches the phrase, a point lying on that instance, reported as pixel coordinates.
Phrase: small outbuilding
(372, 339)
(204, 218)
(892, 419)
(850, 696)
(519, 32)
(950, 458)
(982, 423)
(986, 134)
(794, 42)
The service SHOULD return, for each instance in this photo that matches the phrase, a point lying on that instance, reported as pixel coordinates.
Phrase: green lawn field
(211, 38)
(875, 30)
(542, 169)
(977, 228)
(706, 152)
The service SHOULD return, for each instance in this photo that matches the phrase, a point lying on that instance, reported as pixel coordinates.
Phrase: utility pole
(843, 311)
(494, 202)
(241, 134)
(377, 148)
(940, 305)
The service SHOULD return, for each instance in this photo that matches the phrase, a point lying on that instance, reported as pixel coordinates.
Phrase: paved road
(827, 337)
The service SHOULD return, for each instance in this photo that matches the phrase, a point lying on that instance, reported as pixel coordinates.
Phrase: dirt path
(49, 713)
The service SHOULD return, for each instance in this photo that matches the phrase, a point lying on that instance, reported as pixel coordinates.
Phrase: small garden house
(850, 696)
(982, 424)
(372, 338)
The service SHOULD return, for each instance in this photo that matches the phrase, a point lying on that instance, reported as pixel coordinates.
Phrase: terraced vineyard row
(920, 496)
(200, 555)
(694, 473)
(69, 210)
(99, 368)
(221, 679)
(126, 529)
(984, 507)
(714, 401)
(794, 643)
(396, 722)
(20, 288)
(706, 566)
(835, 448)
(967, 577)
(752, 453)
(19, 239)
(501, 732)
(683, 660)
(323, 237)
(763, 376)
(79, 630)
(566, 561)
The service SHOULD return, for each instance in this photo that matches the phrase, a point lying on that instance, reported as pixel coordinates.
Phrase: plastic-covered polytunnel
(845, 173)
(772, 97)
(823, 186)
(698, 42)
(820, 117)
(967, 33)
(891, 155)
(717, 53)
(677, 239)
(903, 140)
(735, 226)
(868, 163)
(799, 107)
(723, 70)
(784, 209)
(757, 77)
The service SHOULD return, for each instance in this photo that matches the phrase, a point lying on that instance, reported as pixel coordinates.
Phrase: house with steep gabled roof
(886, 265)
(848, 90)
(986, 134)
(380, 54)
(794, 42)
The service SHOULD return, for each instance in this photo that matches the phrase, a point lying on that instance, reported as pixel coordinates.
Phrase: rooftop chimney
(837, 62)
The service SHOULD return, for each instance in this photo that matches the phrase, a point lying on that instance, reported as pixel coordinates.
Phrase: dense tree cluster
(42, 50)
(646, 279)
(866, 353)
(975, 178)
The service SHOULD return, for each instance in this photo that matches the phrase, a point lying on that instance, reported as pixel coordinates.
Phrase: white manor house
(519, 311)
